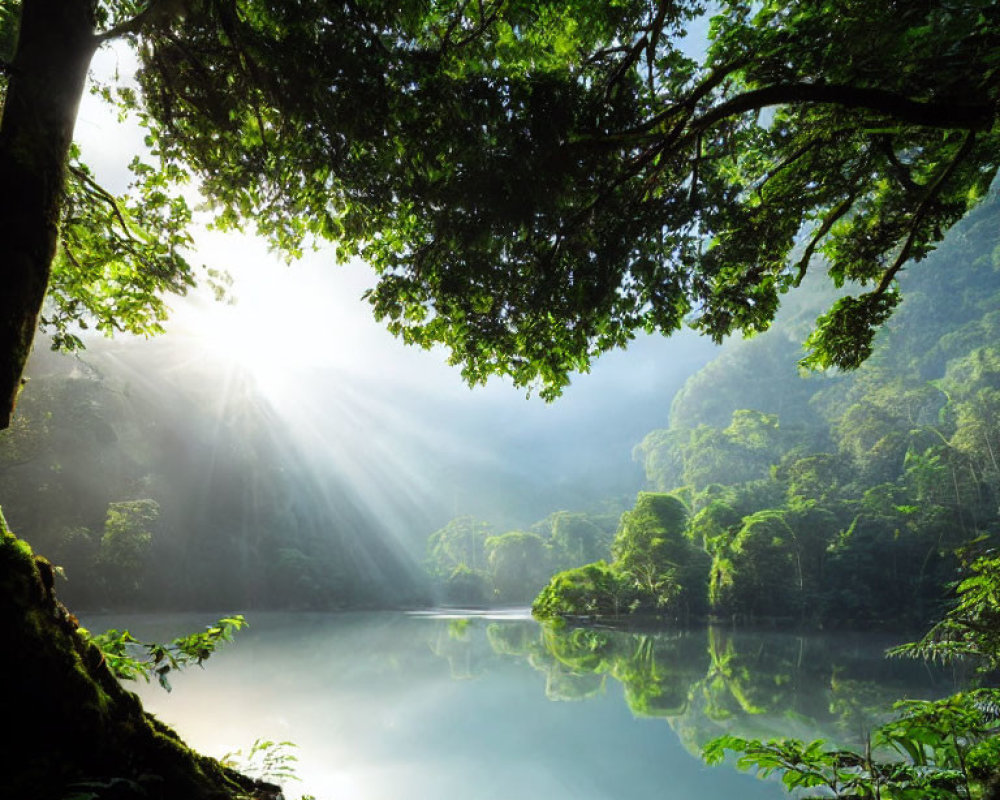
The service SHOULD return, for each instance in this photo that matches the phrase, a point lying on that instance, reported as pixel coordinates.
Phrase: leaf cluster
(119, 255)
(130, 658)
(536, 182)
(265, 760)
(971, 627)
(934, 750)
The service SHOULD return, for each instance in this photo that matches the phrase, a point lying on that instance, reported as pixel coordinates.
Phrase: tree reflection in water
(713, 681)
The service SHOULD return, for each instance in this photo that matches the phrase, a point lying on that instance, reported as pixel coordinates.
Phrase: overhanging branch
(918, 216)
(947, 116)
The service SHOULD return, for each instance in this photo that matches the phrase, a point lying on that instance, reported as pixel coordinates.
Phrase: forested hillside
(835, 498)
(98, 476)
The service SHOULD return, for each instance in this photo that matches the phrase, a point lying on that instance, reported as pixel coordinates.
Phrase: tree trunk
(47, 78)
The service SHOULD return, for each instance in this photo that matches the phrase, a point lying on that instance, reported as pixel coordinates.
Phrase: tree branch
(96, 189)
(655, 32)
(898, 169)
(604, 52)
(487, 16)
(136, 24)
(948, 116)
(918, 216)
(630, 58)
(155, 14)
(828, 222)
(716, 77)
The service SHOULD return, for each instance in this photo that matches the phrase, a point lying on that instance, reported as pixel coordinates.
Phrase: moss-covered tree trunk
(70, 724)
(47, 77)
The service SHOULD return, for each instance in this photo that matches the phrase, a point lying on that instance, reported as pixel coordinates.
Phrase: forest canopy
(533, 182)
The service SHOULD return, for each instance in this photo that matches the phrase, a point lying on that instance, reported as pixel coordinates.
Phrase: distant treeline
(836, 499)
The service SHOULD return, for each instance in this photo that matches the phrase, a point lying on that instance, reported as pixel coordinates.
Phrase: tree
(577, 538)
(651, 549)
(460, 543)
(519, 565)
(760, 572)
(125, 545)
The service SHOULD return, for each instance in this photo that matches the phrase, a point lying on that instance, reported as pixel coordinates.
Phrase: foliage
(518, 560)
(655, 568)
(853, 513)
(472, 564)
(593, 589)
(651, 549)
(125, 545)
(577, 538)
(130, 659)
(266, 531)
(119, 256)
(934, 750)
(461, 542)
(971, 628)
(535, 182)
(265, 760)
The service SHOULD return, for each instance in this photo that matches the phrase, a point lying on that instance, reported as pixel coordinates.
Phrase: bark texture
(47, 78)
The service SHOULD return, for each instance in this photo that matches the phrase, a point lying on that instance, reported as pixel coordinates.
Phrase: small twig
(98, 190)
(655, 31)
(452, 25)
(694, 171)
(828, 222)
(69, 254)
(485, 20)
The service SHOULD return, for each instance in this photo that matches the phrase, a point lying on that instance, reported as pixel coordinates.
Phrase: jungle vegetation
(838, 499)
(533, 183)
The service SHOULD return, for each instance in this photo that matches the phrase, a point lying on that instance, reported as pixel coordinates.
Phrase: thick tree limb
(947, 116)
(155, 14)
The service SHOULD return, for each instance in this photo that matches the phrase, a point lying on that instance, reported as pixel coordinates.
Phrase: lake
(490, 706)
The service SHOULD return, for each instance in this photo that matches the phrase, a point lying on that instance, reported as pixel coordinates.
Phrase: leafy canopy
(536, 182)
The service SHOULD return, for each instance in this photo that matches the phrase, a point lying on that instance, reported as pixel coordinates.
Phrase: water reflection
(386, 706)
(715, 681)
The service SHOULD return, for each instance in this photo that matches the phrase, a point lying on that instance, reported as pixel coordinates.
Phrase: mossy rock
(76, 730)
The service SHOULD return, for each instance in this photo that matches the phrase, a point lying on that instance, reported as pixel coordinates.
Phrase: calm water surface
(435, 706)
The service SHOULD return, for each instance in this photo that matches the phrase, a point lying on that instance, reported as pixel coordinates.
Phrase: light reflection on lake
(441, 706)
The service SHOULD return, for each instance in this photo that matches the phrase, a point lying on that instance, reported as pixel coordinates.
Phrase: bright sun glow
(283, 319)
